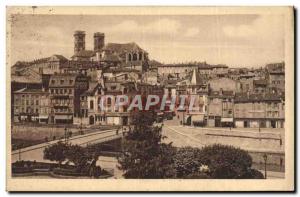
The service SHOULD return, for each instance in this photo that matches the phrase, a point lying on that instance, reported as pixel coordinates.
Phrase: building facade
(31, 105)
(65, 91)
(259, 110)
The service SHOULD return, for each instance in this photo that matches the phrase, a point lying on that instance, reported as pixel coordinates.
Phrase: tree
(187, 161)
(226, 162)
(79, 156)
(144, 155)
(56, 152)
(215, 162)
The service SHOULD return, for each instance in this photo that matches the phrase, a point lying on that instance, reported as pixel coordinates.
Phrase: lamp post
(183, 120)
(20, 151)
(81, 132)
(19, 154)
(265, 159)
(65, 134)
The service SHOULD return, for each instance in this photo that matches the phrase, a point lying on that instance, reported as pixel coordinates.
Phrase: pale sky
(234, 40)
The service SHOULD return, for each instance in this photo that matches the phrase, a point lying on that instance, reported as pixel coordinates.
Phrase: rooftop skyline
(234, 40)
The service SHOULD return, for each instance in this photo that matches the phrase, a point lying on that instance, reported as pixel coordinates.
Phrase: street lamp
(265, 159)
(65, 134)
(183, 120)
(20, 147)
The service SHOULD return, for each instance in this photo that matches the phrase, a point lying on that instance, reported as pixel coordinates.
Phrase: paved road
(36, 152)
(248, 139)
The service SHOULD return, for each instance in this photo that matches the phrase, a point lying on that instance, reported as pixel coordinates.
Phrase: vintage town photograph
(147, 96)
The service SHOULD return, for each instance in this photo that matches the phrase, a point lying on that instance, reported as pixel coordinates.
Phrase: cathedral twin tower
(79, 41)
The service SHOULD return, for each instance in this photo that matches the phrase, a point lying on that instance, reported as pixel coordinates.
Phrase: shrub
(186, 161)
(197, 175)
(253, 174)
(226, 162)
(56, 152)
(214, 161)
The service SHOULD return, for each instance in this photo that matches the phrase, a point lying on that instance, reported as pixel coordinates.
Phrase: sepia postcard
(150, 99)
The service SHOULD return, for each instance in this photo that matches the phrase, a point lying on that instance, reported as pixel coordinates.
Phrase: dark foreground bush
(253, 174)
(226, 162)
(68, 172)
(215, 162)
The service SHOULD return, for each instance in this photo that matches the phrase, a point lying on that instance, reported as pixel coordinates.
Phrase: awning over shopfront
(63, 117)
(198, 118)
(43, 116)
(226, 119)
(23, 117)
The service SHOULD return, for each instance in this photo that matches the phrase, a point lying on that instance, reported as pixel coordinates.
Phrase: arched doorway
(91, 120)
(189, 120)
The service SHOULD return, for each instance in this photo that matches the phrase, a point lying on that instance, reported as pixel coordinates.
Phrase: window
(62, 81)
(91, 104)
(140, 56)
(71, 81)
(99, 103)
(247, 86)
(108, 101)
(134, 57)
(37, 102)
(53, 81)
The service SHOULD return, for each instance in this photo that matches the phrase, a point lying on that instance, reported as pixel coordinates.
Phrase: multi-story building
(177, 70)
(219, 70)
(48, 65)
(220, 108)
(31, 105)
(275, 110)
(195, 90)
(259, 110)
(65, 91)
(276, 75)
(260, 86)
(276, 80)
(246, 82)
(225, 84)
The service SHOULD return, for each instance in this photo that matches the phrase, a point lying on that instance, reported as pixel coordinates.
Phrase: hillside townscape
(56, 105)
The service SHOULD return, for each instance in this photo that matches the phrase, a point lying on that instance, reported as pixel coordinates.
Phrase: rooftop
(27, 90)
(121, 48)
(84, 53)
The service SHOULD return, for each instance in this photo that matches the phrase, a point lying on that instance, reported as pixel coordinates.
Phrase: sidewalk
(273, 175)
